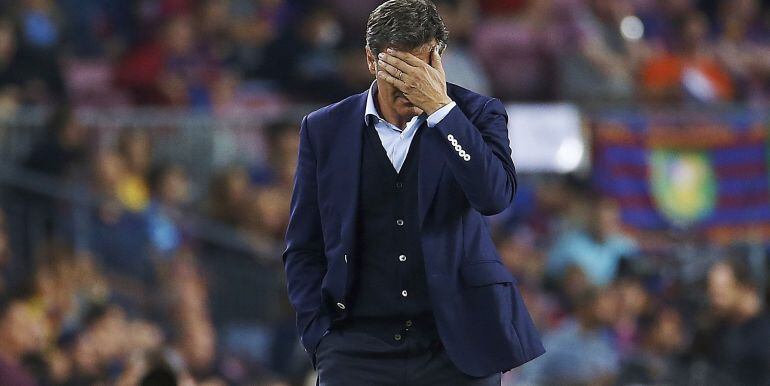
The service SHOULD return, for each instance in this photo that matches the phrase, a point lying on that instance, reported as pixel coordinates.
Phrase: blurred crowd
(614, 312)
(118, 267)
(225, 55)
(106, 279)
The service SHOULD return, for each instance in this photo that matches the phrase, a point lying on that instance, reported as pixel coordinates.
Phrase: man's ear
(371, 61)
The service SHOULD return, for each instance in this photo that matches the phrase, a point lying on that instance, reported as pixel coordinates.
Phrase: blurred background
(147, 153)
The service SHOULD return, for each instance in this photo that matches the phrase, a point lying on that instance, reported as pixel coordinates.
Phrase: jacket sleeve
(304, 258)
(479, 155)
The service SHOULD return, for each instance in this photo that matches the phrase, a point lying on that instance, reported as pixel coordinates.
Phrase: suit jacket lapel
(350, 167)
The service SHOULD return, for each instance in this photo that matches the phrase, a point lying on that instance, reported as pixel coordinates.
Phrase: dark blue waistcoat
(389, 288)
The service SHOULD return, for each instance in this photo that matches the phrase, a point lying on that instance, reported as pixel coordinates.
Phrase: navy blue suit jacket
(480, 315)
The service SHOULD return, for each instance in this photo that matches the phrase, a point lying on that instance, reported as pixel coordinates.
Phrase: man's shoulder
(332, 113)
(470, 102)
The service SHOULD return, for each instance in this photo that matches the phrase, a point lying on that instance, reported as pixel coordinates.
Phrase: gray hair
(405, 25)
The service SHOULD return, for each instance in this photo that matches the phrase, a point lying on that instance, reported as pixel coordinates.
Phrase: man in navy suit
(389, 262)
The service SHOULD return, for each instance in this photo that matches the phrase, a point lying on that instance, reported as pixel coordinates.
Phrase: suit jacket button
(341, 306)
(346, 257)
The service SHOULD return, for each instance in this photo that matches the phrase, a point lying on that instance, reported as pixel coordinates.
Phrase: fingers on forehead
(396, 62)
(390, 69)
(391, 79)
(405, 56)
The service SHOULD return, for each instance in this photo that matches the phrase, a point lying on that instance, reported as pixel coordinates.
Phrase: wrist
(437, 106)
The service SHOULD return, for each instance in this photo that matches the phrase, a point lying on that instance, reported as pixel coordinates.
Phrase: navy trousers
(348, 356)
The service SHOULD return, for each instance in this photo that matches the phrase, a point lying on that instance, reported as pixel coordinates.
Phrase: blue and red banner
(705, 172)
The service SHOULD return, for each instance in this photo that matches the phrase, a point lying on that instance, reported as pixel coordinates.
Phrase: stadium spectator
(229, 191)
(460, 64)
(303, 61)
(742, 46)
(283, 142)
(262, 225)
(658, 359)
(603, 65)
(196, 338)
(253, 25)
(270, 202)
(135, 150)
(109, 171)
(94, 29)
(62, 148)
(19, 331)
(736, 348)
(121, 239)
(689, 69)
(572, 285)
(566, 362)
(596, 245)
(57, 157)
(29, 61)
(522, 40)
(634, 305)
(169, 194)
(174, 69)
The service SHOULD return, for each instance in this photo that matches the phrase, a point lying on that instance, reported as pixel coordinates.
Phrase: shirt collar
(371, 109)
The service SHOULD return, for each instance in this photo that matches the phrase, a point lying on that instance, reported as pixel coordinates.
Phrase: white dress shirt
(396, 141)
